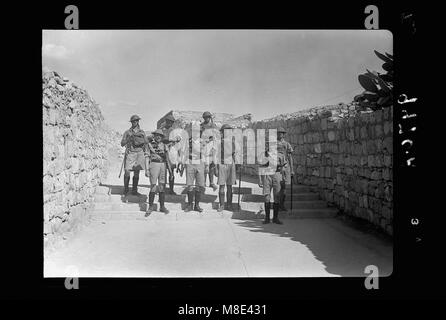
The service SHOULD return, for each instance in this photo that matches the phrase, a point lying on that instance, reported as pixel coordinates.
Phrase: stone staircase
(110, 204)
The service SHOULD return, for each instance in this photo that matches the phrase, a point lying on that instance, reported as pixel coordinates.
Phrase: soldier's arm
(124, 139)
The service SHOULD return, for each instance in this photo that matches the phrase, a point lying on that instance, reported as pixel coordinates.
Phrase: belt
(157, 161)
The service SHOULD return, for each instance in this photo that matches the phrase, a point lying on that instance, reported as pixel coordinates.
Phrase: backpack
(139, 139)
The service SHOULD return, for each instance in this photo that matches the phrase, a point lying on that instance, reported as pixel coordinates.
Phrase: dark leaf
(388, 66)
(383, 57)
(389, 55)
(386, 77)
(371, 96)
(367, 83)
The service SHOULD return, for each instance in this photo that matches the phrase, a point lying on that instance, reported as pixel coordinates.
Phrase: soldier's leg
(199, 186)
(126, 181)
(211, 176)
(282, 196)
(171, 181)
(198, 191)
(162, 187)
(229, 196)
(267, 194)
(190, 187)
(276, 189)
(221, 197)
(150, 207)
(135, 182)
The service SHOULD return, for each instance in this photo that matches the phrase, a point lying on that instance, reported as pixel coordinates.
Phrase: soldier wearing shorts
(209, 126)
(285, 151)
(194, 175)
(270, 178)
(157, 155)
(166, 131)
(134, 139)
(226, 173)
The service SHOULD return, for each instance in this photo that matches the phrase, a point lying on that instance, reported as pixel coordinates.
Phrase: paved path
(211, 245)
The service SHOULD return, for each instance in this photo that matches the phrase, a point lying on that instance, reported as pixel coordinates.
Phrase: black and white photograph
(217, 153)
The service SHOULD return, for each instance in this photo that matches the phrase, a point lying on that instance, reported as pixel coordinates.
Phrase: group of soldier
(151, 154)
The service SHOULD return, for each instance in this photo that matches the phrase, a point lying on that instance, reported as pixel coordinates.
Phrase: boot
(229, 197)
(162, 207)
(126, 185)
(171, 184)
(282, 202)
(276, 214)
(150, 207)
(135, 186)
(190, 200)
(267, 212)
(221, 197)
(197, 201)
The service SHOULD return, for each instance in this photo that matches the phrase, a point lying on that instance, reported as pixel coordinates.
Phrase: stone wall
(346, 155)
(184, 118)
(76, 145)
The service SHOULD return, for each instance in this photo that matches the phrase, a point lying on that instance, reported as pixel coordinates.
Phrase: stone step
(306, 204)
(310, 213)
(213, 214)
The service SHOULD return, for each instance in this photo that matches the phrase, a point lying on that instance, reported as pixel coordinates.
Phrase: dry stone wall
(76, 146)
(346, 155)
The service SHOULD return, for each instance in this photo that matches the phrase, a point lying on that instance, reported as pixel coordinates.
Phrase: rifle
(123, 161)
(239, 186)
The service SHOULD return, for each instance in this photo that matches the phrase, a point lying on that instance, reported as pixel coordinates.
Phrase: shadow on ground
(344, 251)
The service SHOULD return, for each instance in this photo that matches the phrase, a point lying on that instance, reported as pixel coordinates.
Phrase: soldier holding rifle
(284, 150)
(156, 171)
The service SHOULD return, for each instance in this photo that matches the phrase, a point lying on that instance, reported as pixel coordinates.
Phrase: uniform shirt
(271, 165)
(157, 151)
(284, 148)
(126, 141)
(228, 157)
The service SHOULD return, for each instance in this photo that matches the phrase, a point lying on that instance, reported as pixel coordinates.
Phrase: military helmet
(170, 118)
(281, 129)
(207, 114)
(159, 132)
(225, 126)
(134, 118)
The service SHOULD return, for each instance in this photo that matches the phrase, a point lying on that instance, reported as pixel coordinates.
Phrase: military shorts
(272, 182)
(195, 175)
(226, 174)
(286, 174)
(157, 172)
(135, 160)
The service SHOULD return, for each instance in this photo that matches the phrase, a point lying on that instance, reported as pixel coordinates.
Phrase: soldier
(226, 172)
(270, 177)
(194, 174)
(209, 125)
(285, 151)
(134, 139)
(156, 171)
(166, 131)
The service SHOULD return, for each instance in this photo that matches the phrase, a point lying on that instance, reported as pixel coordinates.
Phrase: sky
(263, 72)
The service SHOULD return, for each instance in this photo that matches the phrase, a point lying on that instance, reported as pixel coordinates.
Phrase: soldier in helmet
(270, 178)
(194, 171)
(208, 128)
(226, 170)
(284, 150)
(134, 139)
(158, 157)
(167, 129)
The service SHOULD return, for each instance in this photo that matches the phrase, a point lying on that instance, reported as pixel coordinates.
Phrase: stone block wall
(346, 155)
(76, 145)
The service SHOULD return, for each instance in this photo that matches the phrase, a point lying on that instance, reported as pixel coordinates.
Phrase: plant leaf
(367, 83)
(383, 57)
(389, 55)
(388, 66)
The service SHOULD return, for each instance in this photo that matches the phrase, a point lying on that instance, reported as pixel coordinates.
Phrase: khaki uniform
(135, 159)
